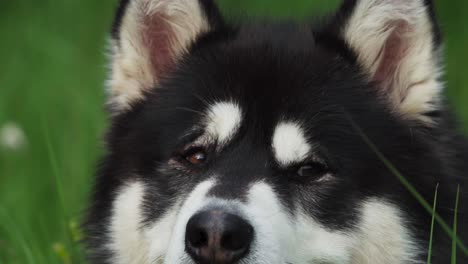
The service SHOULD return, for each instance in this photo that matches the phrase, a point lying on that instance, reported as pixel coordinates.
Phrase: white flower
(12, 137)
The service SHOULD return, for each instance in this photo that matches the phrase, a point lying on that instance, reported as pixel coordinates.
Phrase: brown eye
(196, 157)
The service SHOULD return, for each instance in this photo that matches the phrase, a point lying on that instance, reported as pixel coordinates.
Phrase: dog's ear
(397, 42)
(148, 38)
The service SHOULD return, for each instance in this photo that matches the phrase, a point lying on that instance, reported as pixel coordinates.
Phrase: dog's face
(236, 144)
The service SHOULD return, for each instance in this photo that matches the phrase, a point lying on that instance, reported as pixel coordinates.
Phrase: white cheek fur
(127, 240)
(381, 235)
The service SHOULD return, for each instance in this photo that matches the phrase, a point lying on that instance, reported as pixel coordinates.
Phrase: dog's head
(235, 143)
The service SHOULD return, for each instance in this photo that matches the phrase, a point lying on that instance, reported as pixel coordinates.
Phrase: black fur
(274, 71)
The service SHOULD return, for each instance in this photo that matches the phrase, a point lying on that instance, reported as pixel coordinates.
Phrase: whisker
(190, 110)
(201, 99)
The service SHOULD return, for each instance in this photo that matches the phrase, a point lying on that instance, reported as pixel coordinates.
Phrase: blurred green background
(52, 71)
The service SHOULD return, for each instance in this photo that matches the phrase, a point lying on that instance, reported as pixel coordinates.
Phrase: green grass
(431, 236)
(454, 229)
(451, 232)
(52, 72)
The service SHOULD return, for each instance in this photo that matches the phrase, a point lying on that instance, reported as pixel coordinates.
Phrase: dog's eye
(196, 156)
(313, 170)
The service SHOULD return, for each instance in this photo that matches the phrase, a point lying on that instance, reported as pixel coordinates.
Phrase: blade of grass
(54, 164)
(454, 238)
(55, 170)
(11, 226)
(429, 251)
(447, 229)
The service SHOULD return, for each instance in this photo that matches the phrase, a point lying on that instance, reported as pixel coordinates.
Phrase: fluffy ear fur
(149, 37)
(397, 43)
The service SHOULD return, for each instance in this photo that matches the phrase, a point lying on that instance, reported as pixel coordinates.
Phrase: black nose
(216, 237)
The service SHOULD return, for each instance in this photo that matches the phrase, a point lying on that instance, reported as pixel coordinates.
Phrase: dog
(277, 142)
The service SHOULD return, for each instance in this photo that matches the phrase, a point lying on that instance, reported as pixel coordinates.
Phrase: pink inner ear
(391, 56)
(157, 37)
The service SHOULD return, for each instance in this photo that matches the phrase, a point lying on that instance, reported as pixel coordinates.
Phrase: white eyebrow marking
(289, 143)
(224, 119)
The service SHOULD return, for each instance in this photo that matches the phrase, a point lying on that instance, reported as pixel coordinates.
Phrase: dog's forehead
(269, 93)
(287, 139)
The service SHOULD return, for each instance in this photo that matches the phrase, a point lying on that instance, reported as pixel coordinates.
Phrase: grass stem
(429, 251)
(447, 229)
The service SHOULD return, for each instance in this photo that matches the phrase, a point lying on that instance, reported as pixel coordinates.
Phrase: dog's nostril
(214, 236)
(198, 238)
(237, 235)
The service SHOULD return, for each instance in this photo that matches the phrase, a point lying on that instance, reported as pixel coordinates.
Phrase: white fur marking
(317, 244)
(160, 233)
(274, 234)
(383, 236)
(284, 238)
(289, 143)
(224, 119)
(194, 202)
(127, 241)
